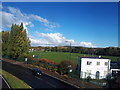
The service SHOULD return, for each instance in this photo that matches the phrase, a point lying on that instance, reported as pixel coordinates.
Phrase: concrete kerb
(58, 79)
(30, 87)
(5, 81)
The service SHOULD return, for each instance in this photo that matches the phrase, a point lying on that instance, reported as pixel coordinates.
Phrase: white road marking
(38, 78)
(51, 85)
(5, 82)
(46, 82)
(27, 73)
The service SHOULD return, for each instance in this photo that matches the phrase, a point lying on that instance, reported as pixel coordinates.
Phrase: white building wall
(93, 68)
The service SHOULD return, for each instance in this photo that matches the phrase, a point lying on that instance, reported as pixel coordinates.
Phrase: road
(25, 74)
(4, 85)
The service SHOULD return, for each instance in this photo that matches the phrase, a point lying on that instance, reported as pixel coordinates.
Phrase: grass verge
(13, 81)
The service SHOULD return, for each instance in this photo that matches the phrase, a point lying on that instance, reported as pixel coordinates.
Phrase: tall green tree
(5, 38)
(18, 41)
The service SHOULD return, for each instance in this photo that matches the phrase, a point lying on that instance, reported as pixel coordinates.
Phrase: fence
(92, 76)
(87, 77)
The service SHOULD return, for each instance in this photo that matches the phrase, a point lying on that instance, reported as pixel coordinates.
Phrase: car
(36, 72)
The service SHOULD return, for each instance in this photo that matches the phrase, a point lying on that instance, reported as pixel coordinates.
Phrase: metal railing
(88, 78)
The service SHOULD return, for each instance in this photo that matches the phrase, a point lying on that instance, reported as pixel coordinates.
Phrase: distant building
(31, 50)
(94, 67)
(42, 49)
(115, 68)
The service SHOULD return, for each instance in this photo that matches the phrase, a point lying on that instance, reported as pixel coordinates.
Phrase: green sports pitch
(60, 56)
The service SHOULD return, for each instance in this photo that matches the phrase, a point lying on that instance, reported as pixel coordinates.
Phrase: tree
(18, 42)
(5, 37)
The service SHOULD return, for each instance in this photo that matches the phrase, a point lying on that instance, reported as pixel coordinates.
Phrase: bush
(45, 63)
(55, 68)
(45, 66)
(63, 67)
(88, 78)
(44, 60)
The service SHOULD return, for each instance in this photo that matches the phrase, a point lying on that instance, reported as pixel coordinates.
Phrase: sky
(88, 24)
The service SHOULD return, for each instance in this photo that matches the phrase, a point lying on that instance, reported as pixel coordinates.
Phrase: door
(97, 75)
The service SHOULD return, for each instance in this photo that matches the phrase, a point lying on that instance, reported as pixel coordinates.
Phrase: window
(89, 63)
(98, 63)
(105, 73)
(106, 63)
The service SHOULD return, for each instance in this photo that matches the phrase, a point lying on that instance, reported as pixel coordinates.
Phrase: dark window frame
(89, 62)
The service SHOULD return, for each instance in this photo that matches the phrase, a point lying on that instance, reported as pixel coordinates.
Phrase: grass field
(60, 56)
(13, 81)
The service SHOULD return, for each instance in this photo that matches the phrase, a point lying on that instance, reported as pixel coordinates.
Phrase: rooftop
(114, 65)
(99, 57)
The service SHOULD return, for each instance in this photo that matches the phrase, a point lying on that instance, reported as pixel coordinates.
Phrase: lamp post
(26, 60)
(69, 66)
(70, 50)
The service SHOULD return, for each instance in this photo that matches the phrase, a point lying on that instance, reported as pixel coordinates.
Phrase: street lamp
(69, 66)
(26, 60)
(70, 49)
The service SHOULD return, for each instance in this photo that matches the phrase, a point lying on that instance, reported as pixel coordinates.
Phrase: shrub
(63, 67)
(45, 63)
(88, 78)
(45, 66)
(55, 68)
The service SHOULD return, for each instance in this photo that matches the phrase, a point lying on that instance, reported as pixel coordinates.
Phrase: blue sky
(86, 24)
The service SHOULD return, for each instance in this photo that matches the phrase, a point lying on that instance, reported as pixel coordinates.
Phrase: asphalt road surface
(4, 85)
(26, 75)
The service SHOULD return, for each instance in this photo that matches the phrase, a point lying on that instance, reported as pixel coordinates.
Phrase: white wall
(94, 67)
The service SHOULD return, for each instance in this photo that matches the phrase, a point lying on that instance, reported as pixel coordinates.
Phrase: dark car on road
(37, 72)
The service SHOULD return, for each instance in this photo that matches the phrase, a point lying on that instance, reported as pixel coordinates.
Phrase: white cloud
(86, 44)
(48, 38)
(56, 39)
(1, 6)
(15, 16)
(45, 22)
(7, 18)
(15, 11)
(40, 19)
